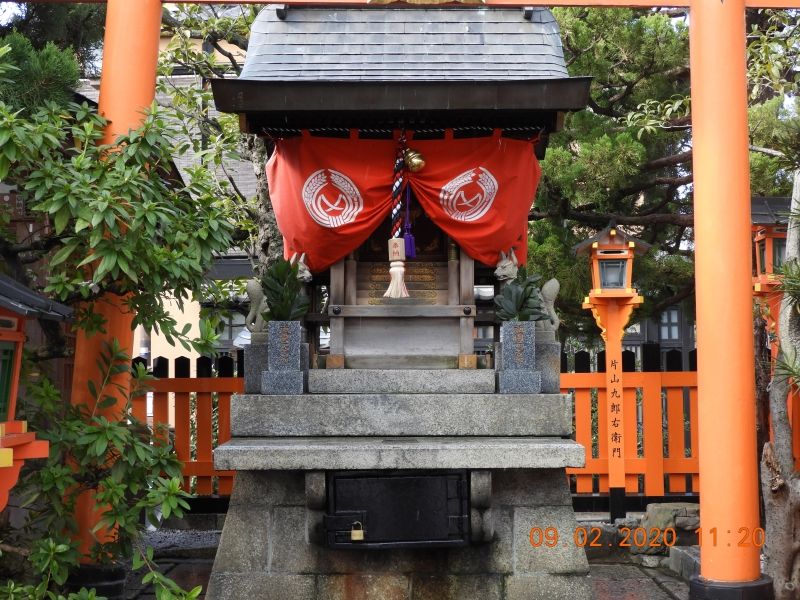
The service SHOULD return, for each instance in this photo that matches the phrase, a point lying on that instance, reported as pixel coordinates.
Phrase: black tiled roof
(769, 210)
(22, 300)
(408, 44)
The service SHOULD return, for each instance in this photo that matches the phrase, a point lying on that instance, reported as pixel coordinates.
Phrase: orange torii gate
(727, 433)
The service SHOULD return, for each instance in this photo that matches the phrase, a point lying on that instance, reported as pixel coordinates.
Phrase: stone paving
(612, 580)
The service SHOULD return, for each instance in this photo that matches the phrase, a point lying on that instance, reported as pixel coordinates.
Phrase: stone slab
(284, 342)
(402, 414)
(401, 381)
(519, 381)
(559, 556)
(518, 348)
(341, 453)
(548, 363)
(543, 586)
(436, 587)
(282, 382)
(255, 362)
(685, 560)
(263, 586)
(399, 361)
(383, 586)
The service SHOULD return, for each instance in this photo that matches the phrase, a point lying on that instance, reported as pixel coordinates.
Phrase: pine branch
(601, 219)
(668, 161)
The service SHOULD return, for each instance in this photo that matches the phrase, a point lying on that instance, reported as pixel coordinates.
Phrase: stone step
(412, 294)
(401, 381)
(546, 415)
(380, 286)
(354, 453)
(380, 301)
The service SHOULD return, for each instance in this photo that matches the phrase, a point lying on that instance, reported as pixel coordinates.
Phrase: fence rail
(660, 411)
(200, 411)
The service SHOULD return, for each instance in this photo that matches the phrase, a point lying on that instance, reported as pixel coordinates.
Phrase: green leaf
(61, 219)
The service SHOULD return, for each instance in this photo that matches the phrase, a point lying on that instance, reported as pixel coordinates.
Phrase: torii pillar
(127, 89)
(726, 364)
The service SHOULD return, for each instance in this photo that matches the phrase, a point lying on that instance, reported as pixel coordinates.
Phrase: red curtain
(330, 194)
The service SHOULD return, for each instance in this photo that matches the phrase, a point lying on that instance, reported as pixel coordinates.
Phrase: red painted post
(127, 88)
(725, 380)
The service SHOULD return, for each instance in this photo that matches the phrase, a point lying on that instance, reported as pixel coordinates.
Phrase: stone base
(548, 363)
(519, 381)
(283, 382)
(265, 551)
(255, 361)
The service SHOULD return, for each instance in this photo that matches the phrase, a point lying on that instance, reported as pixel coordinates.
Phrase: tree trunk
(269, 243)
(780, 484)
(763, 374)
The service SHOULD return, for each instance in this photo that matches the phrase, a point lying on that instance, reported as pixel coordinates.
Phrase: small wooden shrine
(472, 93)
(403, 169)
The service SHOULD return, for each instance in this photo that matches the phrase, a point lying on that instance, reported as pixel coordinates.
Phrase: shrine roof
(23, 301)
(379, 69)
(404, 44)
(772, 210)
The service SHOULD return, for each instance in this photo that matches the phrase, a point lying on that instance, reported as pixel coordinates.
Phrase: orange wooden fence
(660, 412)
(202, 411)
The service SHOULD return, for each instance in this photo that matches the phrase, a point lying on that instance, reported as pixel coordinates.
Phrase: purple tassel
(408, 237)
(411, 251)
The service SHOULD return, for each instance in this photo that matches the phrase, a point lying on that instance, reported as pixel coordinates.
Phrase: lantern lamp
(769, 242)
(611, 255)
(612, 300)
(769, 249)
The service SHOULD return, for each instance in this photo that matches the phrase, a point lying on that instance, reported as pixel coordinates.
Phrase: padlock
(357, 532)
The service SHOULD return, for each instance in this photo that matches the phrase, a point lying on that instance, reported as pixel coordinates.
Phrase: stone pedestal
(265, 551)
(515, 447)
(517, 372)
(255, 360)
(287, 359)
(548, 361)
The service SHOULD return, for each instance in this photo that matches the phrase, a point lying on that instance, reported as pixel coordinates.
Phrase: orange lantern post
(612, 300)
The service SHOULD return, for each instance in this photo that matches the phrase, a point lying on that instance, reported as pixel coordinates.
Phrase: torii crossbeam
(727, 430)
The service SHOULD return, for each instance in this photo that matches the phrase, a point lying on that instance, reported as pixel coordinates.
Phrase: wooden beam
(399, 311)
(503, 3)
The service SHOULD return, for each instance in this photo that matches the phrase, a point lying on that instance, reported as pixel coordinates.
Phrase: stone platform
(265, 551)
(515, 448)
(454, 414)
(344, 453)
(401, 381)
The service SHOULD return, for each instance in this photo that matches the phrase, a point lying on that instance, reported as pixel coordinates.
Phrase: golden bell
(357, 532)
(413, 159)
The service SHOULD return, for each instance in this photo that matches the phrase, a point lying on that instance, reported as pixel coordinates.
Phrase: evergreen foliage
(520, 299)
(284, 292)
(40, 76)
(77, 28)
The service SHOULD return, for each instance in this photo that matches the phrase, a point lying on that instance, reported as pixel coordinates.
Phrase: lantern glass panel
(778, 253)
(612, 273)
(6, 373)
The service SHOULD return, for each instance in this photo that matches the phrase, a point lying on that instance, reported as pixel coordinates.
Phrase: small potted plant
(284, 291)
(518, 306)
(287, 303)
